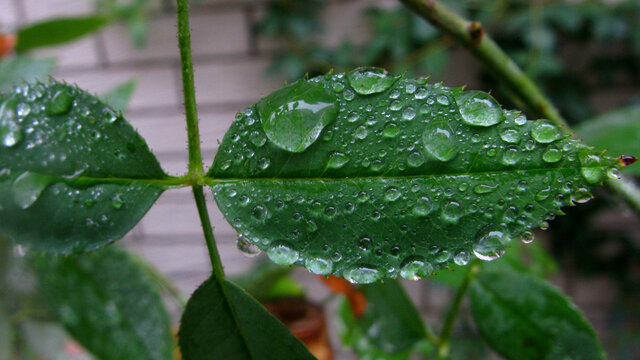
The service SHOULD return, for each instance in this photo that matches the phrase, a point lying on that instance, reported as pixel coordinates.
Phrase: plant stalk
(214, 255)
(454, 310)
(472, 35)
(188, 89)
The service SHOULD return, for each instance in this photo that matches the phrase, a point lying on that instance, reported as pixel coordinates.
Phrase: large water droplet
(392, 194)
(415, 159)
(490, 243)
(591, 169)
(281, 252)
(511, 136)
(440, 142)
(544, 132)
(462, 258)
(27, 188)
(337, 160)
(552, 155)
(246, 247)
(511, 156)
(452, 212)
(415, 268)
(319, 265)
(484, 188)
(424, 206)
(60, 103)
(362, 274)
(294, 116)
(367, 80)
(480, 109)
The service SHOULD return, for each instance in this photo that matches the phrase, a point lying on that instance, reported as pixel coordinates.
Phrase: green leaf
(108, 304)
(15, 70)
(74, 175)
(118, 98)
(6, 336)
(229, 324)
(617, 131)
(58, 31)
(267, 281)
(401, 182)
(523, 317)
(390, 328)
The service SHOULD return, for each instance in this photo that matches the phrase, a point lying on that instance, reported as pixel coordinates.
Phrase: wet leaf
(58, 31)
(523, 317)
(20, 69)
(402, 182)
(231, 325)
(617, 131)
(108, 304)
(74, 175)
(390, 328)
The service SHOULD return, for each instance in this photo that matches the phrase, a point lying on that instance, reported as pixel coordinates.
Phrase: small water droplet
(257, 138)
(23, 109)
(415, 159)
(28, 187)
(246, 247)
(527, 237)
(361, 132)
(511, 136)
(319, 266)
(520, 120)
(511, 156)
(424, 206)
(362, 274)
(60, 103)
(10, 131)
(415, 268)
(544, 132)
(552, 155)
(480, 109)
(409, 113)
(392, 194)
(337, 160)
(282, 253)
(452, 212)
(462, 258)
(591, 169)
(490, 243)
(116, 202)
(368, 80)
(391, 130)
(484, 188)
(443, 100)
(260, 213)
(440, 142)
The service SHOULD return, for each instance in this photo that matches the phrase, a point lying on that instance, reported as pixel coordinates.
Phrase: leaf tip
(627, 160)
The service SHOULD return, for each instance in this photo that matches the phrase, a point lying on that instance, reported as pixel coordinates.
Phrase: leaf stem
(522, 89)
(454, 310)
(188, 89)
(214, 255)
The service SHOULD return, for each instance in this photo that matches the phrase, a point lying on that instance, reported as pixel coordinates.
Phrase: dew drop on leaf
(415, 268)
(591, 169)
(392, 194)
(294, 116)
(10, 131)
(527, 237)
(415, 159)
(490, 243)
(552, 155)
(319, 265)
(282, 253)
(462, 258)
(439, 142)
(391, 130)
(452, 212)
(60, 103)
(337, 160)
(27, 188)
(544, 132)
(424, 206)
(511, 136)
(484, 188)
(511, 156)
(367, 81)
(361, 132)
(480, 109)
(246, 247)
(362, 274)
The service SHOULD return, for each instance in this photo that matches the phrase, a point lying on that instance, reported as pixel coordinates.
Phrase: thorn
(627, 160)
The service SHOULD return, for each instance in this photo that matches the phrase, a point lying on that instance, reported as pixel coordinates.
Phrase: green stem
(188, 89)
(483, 47)
(454, 310)
(214, 256)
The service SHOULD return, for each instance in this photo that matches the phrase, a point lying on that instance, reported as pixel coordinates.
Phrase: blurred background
(584, 54)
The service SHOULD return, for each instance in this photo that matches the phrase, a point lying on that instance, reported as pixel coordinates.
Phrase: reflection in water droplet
(480, 109)
(392, 194)
(424, 206)
(415, 159)
(527, 237)
(591, 169)
(27, 188)
(247, 248)
(462, 258)
(490, 243)
(361, 132)
(511, 156)
(362, 274)
(282, 253)
(319, 265)
(367, 81)
(294, 116)
(415, 268)
(544, 132)
(511, 136)
(552, 155)
(439, 142)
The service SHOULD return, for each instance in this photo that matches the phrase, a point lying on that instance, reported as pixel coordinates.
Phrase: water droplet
(511, 136)
(116, 202)
(490, 243)
(349, 95)
(415, 268)
(409, 113)
(368, 80)
(337, 160)
(264, 163)
(443, 100)
(614, 174)
(527, 237)
(392, 194)
(247, 248)
(257, 138)
(365, 243)
(260, 213)
(520, 120)
(23, 109)
(282, 253)
(511, 156)
(442, 256)
(319, 265)
(10, 131)
(543, 194)
(415, 159)
(484, 188)
(439, 142)
(294, 116)
(480, 109)
(582, 196)
(462, 258)
(452, 212)
(362, 274)
(391, 130)
(27, 188)
(552, 155)
(591, 169)
(361, 132)
(544, 132)
(60, 103)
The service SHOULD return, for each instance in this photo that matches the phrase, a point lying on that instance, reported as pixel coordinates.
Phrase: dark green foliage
(403, 181)
(75, 175)
(523, 318)
(108, 304)
(229, 324)
(58, 31)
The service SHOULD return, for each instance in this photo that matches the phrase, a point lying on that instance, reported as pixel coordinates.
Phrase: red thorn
(627, 160)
